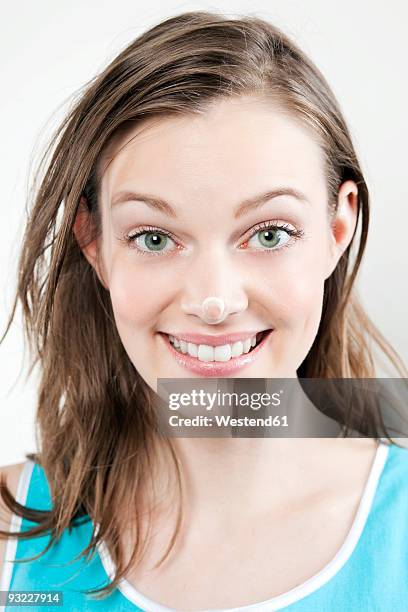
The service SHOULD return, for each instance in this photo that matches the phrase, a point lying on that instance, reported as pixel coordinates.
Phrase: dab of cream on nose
(212, 311)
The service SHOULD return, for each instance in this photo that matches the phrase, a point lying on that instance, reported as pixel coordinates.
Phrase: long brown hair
(95, 423)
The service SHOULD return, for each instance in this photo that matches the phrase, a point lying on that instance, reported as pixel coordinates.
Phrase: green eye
(155, 241)
(150, 242)
(269, 238)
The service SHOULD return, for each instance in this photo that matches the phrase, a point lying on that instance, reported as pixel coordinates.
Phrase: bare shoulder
(11, 475)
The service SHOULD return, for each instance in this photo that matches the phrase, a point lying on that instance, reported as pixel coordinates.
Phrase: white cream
(205, 352)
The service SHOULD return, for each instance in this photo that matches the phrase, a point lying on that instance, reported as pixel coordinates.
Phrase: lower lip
(215, 368)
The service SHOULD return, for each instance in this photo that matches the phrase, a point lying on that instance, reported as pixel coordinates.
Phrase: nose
(213, 302)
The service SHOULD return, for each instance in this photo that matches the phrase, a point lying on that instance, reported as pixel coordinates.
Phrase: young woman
(203, 190)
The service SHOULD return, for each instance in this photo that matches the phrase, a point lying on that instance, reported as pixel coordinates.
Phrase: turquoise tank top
(368, 573)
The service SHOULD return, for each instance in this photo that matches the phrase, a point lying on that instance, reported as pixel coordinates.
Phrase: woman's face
(205, 167)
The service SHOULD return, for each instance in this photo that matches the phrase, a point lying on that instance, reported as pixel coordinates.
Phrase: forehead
(233, 149)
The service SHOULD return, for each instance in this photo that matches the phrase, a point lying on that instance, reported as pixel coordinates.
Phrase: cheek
(294, 291)
(137, 292)
(299, 301)
(295, 307)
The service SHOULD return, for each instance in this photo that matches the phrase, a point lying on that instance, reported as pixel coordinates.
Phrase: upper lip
(217, 340)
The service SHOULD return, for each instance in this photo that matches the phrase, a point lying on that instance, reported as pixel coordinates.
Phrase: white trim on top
(298, 592)
(15, 525)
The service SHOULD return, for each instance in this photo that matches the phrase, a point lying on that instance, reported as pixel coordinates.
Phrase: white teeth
(247, 345)
(222, 353)
(204, 352)
(192, 349)
(237, 349)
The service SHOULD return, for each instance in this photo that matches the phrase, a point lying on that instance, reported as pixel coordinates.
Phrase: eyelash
(295, 234)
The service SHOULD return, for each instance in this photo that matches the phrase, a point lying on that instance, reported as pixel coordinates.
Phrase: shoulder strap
(15, 524)
(38, 492)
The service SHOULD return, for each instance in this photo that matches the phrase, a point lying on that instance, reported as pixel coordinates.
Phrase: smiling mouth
(214, 354)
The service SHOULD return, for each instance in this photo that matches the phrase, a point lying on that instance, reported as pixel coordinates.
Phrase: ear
(343, 224)
(82, 229)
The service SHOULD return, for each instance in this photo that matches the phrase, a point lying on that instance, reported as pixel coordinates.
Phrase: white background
(49, 50)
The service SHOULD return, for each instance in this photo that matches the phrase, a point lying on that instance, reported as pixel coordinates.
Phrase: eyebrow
(244, 207)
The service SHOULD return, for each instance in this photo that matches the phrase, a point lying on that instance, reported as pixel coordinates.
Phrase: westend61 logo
(220, 400)
(225, 407)
(207, 400)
